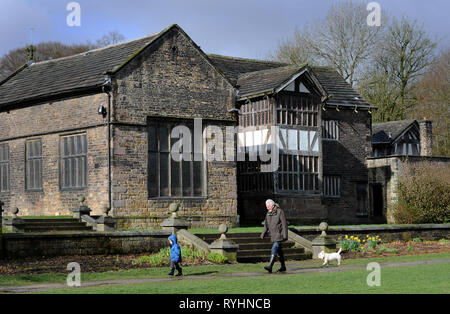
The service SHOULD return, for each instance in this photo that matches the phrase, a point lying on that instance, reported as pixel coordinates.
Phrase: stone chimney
(426, 137)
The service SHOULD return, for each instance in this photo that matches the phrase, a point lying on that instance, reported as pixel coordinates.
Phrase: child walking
(175, 256)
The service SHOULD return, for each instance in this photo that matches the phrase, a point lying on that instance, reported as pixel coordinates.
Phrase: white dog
(326, 257)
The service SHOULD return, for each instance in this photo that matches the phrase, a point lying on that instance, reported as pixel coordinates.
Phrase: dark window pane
(164, 174)
(152, 140)
(187, 185)
(175, 178)
(198, 178)
(163, 139)
(153, 174)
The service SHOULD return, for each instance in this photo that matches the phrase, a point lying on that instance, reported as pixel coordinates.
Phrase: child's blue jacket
(175, 250)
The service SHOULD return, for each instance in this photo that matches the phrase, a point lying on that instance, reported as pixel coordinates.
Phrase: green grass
(209, 270)
(431, 278)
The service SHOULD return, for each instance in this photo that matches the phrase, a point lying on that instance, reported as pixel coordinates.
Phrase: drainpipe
(106, 88)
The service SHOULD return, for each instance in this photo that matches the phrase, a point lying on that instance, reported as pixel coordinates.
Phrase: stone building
(396, 146)
(107, 124)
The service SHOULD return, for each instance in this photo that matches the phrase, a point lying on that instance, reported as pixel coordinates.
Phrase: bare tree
(432, 92)
(404, 54)
(341, 40)
(14, 59)
(42, 51)
(113, 37)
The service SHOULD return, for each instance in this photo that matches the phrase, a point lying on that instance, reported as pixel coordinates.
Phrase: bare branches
(342, 40)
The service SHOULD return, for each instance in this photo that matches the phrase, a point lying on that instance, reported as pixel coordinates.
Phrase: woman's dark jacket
(276, 224)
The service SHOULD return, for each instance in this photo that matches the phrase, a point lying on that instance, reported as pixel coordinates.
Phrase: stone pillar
(224, 246)
(323, 242)
(106, 222)
(174, 223)
(426, 138)
(15, 224)
(82, 209)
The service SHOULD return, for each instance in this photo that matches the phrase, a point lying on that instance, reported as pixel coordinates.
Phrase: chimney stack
(426, 137)
(30, 53)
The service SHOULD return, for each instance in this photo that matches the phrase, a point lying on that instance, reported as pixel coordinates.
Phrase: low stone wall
(84, 243)
(207, 221)
(386, 233)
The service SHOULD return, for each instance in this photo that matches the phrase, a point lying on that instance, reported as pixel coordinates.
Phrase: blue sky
(244, 28)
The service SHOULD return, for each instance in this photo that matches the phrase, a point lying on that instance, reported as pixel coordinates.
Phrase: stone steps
(49, 225)
(252, 249)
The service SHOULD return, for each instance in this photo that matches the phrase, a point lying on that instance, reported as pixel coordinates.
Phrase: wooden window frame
(4, 168)
(332, 186)
(33, 159)
(297, 109)
(156, 124)
(330, 130)
(78, 156)
(298, 171)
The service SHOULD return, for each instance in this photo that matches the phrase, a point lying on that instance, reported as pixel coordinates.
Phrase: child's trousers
(174, 265)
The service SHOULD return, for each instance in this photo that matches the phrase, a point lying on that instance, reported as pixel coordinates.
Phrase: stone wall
(386, 171)
(426, 232)
(86, 243)
(1, 232)
(48, 122)
(346, 158)
(171, 79)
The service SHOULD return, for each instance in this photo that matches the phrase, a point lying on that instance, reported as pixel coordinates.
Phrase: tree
(404, 54)
(341, 40)
(432, 94)
(42, 51)
(14, 59)
(111, 38)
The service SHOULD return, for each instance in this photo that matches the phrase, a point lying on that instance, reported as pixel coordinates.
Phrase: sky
(241, 28)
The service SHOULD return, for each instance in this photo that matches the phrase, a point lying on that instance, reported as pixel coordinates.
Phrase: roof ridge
(245, 59)
(271, 69)
(96, 49)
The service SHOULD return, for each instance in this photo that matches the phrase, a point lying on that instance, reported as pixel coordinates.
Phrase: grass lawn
(205, 270)
(432, 278)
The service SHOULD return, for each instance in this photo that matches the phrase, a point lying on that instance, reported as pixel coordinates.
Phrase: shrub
(423, 194)
(217, 258)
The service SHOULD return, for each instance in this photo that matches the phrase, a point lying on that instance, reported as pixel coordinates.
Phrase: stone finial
(173, 209)
(323, 227)
(81, 200)
(323, 242)
(223, 229)
(15, 211)
(106, 210)
(174, 223)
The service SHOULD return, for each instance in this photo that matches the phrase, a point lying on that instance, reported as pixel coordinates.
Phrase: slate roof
(387, 132)
(339, 91)
(77, 72)
(245, 73)
(265, 80)
(232, 67)
(87, 71)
